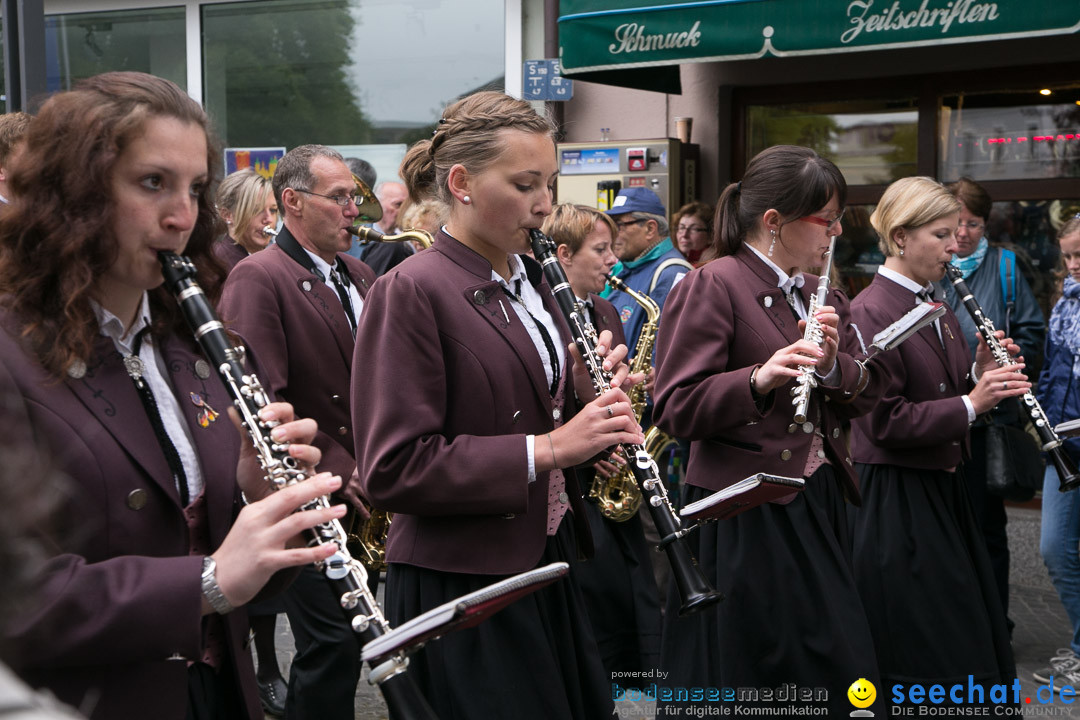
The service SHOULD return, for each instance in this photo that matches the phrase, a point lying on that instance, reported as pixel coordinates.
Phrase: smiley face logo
(862, 693)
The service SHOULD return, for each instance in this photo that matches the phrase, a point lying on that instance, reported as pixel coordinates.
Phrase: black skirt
(926, 581)
(534, 660)
(791, 613)
(621, 596)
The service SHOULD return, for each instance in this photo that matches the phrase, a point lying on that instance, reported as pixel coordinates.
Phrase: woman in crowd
(1060, 541)
(919, 559)
(693, 230)
(135, 610)
(730, 347)
(468, 424)
(245, 201)
(620, 593)
(996, 281)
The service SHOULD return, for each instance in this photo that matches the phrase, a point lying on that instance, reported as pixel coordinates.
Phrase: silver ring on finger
(610, 411)
(1004, 385)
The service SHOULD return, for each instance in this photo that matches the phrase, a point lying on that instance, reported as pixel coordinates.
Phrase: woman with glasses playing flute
(922, 570)
(729, 350)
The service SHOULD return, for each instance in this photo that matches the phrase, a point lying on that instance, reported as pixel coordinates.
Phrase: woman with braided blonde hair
(471, 417)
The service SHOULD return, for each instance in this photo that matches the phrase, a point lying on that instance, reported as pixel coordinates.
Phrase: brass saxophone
(619, 496)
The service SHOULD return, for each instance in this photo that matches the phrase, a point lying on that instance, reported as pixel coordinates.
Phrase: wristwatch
(210, 588)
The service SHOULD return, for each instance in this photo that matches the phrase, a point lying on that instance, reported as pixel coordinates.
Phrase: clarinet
(347, 576)
(694, 590)
(812, 332)
(1051, 443)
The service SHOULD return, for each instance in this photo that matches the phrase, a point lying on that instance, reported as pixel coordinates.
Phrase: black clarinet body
(1051, 443)
(694, 590)
(346, 575)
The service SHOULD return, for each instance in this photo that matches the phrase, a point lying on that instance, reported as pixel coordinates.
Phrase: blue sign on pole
(543, 80)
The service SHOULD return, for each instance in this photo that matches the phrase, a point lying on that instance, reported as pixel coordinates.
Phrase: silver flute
(814, 333)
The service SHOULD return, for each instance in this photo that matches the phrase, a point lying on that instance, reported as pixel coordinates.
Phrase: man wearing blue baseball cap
(648, 262)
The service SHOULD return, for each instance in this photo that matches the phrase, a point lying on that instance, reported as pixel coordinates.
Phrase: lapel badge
(207, 415)
(77, 370)
(948, 330)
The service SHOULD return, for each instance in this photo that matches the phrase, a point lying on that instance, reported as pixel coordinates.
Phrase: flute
(1051, 443)
(694, 589)
(807, 380)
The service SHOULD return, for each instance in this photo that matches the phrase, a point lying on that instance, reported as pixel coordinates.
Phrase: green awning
(599, 36)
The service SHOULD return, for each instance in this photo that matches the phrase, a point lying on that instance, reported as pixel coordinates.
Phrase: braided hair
(468, 135)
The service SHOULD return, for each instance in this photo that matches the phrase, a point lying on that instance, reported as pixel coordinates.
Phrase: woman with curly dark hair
(135, 612)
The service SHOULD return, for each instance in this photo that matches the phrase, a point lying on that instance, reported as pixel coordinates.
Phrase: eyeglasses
(693, 228)
(969, 225)
(341, 200)
(829, 225)
(627, 223)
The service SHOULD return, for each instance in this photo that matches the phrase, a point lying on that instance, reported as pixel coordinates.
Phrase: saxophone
(619, 496)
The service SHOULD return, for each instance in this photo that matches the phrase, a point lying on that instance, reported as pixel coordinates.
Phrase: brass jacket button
(479, 297)
(785, 454)
(343, 430)
(136, 499)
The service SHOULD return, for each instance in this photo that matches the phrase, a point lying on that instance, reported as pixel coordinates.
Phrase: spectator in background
(428, 215)
(13, 127)
(693, 231)
(1060, 541)
(383, 256)
(363, 170)
(245, 201)
(999, 286)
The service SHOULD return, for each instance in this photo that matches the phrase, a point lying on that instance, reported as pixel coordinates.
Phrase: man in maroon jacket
(297, 304)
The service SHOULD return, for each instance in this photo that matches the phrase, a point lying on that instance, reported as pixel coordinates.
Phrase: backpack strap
(1007, 266)
(670, 262)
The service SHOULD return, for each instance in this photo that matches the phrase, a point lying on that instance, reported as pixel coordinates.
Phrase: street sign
(543, 80)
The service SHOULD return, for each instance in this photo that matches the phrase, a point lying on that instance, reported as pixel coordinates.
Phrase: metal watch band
(211, 590)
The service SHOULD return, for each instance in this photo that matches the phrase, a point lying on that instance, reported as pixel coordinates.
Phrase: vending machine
(592, 173)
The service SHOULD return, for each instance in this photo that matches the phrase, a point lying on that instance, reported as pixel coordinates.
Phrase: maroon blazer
(119, 610)
(921, 420)
(442, 411)
(606, 317)
(720, 322)
(228, 252)
(297, 328)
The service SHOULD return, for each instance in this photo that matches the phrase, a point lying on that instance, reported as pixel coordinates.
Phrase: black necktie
(135, 367)
(340, 278)
(789, 295)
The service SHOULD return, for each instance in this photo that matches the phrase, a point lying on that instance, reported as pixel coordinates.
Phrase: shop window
(80, 45)
(872, 142)
(1028, 135)
(344, 72)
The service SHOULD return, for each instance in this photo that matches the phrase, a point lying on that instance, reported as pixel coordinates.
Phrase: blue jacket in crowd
(1057, 391)
(641, 276)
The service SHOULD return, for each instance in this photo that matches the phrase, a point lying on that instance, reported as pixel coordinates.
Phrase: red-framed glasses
(829, 225)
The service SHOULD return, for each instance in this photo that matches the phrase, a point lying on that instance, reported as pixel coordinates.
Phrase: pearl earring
(901, 252)
(773, 243)
(467, 200)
